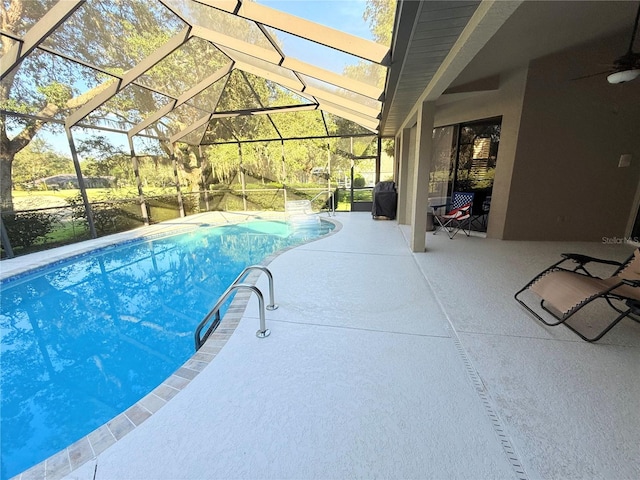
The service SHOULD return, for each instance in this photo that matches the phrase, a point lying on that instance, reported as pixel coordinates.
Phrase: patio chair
(455, 219)
(563, 292)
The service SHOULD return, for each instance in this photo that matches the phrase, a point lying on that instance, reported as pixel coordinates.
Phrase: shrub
(107, 217)
(359, 181)
(25, 228)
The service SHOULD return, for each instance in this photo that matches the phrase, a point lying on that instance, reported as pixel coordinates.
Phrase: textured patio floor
(387, 364)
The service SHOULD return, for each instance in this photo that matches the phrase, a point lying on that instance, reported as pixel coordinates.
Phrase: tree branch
(21, 140)
(27, 134)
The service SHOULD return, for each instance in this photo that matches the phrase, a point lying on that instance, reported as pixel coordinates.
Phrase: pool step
(300, 214)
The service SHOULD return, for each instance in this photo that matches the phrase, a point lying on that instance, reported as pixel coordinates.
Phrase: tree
(115, 36)
(38, 160)
(104, 159)
(380, 14)
(112, 35)
(46, 86)
(45, 100)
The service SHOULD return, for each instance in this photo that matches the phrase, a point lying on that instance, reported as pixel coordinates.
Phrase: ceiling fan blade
(593, 75)
(627, 62)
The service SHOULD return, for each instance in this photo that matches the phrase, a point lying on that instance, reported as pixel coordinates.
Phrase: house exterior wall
(505, 101)
(557, 175)
(566, 184)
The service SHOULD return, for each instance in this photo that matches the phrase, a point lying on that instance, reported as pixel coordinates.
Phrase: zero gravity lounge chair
(563, 292)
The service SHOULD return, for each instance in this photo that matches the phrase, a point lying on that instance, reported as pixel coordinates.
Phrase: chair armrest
(436, 209)
(584, 259)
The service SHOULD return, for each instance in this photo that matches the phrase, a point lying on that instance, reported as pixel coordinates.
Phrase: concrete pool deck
(387, 364)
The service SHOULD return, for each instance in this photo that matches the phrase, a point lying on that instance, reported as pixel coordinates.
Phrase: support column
(83, 190)
(174, 161)
(378, 161)
(402, 152)
(420, 180)
(284, 165)
(136, 172)
(331, 206)
(203, 178)
(242, 179)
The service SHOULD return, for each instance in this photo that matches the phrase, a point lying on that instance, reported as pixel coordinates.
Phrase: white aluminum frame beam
(266, 111)
(367, 121)
(129, 77)
(37, 34)
(271, 56)
(297, 67)
(290, 83)
(327, 36)
(345, 102)
(185, 97)
(356, 86)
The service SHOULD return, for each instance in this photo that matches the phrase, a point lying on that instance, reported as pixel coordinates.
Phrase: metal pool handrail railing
(332, 208)
(236, 285)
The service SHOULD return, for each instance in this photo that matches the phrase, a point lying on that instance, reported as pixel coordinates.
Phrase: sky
(345, 15)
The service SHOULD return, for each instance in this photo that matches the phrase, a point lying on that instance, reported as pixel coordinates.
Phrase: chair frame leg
(562, 320)
(452, 229)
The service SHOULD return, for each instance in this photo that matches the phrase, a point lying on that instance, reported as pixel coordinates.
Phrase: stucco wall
(506, 101)
(557, 175)
(410, 168)
(566, 184)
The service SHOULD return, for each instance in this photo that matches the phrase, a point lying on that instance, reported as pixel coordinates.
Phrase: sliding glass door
(464, 160)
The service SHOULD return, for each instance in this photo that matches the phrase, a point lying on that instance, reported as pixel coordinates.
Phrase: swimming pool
(85, 339)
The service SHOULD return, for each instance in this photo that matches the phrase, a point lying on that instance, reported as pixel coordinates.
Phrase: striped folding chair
(455, 219)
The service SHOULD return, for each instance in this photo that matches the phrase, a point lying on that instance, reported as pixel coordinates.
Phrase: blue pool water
(86, 339)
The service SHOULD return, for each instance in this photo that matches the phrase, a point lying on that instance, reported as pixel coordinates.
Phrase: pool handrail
(235, 285)
(330, 209)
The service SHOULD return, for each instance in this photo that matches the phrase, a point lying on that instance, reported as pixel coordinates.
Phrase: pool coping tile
(80, 452)
(101, 439)
(120, 426)
(152, 402)
(58, 465)
(35, 472)
(137, 413)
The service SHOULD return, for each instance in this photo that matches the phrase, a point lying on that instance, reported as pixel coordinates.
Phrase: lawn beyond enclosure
(49, 218)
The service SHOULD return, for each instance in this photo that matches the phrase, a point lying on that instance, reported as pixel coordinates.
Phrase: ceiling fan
(626, 67)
